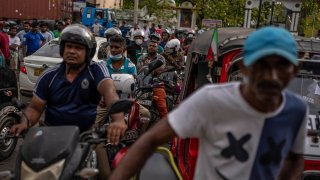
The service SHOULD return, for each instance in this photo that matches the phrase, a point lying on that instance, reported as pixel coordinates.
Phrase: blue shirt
(127, 68)
(71, 103)
(33, 41)
(124, 31)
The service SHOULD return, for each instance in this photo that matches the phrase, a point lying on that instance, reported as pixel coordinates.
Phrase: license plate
(145, 102)
(38, 71)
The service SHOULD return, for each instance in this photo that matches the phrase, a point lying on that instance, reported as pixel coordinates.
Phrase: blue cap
(270, 41)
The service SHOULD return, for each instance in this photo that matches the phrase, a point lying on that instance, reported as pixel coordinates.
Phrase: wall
(36, 9)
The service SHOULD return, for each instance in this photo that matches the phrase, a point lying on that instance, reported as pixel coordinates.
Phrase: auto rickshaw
(225, 68)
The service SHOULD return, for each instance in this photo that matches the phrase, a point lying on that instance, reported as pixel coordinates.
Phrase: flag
(213, 49)
(212, 53)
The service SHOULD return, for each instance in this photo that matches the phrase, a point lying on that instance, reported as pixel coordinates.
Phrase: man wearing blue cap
(253, 129)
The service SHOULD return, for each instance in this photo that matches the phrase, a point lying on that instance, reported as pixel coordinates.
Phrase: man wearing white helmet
(173, 54)
(135, 49)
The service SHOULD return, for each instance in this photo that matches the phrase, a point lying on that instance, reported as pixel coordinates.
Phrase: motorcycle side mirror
(154, 65)
(120, 106)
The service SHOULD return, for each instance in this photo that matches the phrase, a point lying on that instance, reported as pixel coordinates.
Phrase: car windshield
(50, 49)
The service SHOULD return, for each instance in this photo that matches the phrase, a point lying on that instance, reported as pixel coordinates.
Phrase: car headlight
(52, 172)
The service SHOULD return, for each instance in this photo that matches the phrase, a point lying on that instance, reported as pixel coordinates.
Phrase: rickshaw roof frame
(234, 37)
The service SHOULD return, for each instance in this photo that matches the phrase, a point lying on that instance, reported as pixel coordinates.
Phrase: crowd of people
(20, 39)
(241, 132)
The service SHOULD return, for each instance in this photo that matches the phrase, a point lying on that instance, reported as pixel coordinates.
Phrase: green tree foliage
(128, 4)
(310, 18)
(232, 12)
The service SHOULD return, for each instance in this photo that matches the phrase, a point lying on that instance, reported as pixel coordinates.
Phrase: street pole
(135, 16)
(272, 9)
(259, 14)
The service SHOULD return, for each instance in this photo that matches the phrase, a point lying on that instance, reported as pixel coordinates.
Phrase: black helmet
(111, 32)
(155, 36)
(79, 34)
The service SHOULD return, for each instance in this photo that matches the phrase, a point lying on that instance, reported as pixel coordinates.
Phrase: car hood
(41, 60)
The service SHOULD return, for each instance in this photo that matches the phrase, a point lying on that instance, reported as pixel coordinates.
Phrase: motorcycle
(147, 82)
(59, 152)
(9, 114)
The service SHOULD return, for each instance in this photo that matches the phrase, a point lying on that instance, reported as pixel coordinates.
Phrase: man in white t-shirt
(250, 130)
(44, 32)
(14, 43)
(96, 27)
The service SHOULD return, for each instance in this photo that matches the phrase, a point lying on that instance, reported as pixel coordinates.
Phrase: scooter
(60, 152)
(9, 114)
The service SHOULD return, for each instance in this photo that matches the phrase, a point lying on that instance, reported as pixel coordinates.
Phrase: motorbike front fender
(9, 110)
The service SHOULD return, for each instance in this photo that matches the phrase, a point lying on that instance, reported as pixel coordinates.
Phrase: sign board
(211, 23)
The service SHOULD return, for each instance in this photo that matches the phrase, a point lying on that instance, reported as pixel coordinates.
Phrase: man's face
(26, 27)
(165, 36)
(60, 27)
(74, 54)
(116, 48)
(43, 28)
(35, 28)
(267, 77)
(13, 32)
(152, 47)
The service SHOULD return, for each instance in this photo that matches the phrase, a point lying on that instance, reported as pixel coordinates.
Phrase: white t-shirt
(235, 140)
(96, 29)
(47, 36)
(14, 40)
(146, 34)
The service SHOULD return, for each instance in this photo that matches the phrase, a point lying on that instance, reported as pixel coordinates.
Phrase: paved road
(9, 163)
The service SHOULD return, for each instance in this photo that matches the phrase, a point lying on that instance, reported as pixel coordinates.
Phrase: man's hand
(116, 128)
(18, 128)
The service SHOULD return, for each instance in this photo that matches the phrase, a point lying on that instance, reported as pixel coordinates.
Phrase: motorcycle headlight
(52, 172)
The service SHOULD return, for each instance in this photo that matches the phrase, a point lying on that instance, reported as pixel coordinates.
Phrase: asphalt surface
(9, 163)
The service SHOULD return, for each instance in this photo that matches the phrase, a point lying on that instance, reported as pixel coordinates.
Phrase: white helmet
(138, 33)
(173, 43)
(124, 83)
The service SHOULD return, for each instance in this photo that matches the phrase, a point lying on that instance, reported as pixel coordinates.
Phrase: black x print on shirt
(236, 147)
(274, 153)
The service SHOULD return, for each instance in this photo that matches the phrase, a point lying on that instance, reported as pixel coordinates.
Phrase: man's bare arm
(117, 127)
(24, 50)
(32, 112)
(142, 149)
(292, 167)
(35, 109)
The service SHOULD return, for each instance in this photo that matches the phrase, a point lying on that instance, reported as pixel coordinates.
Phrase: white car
(48, 55)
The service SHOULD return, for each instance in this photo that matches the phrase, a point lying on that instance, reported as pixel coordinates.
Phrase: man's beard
(75, 67)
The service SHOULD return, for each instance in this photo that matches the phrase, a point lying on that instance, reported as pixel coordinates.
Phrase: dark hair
(153, 41)
(118, 39)
(35, 24)
(43, 24)
(26, 22)
(13, 27)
